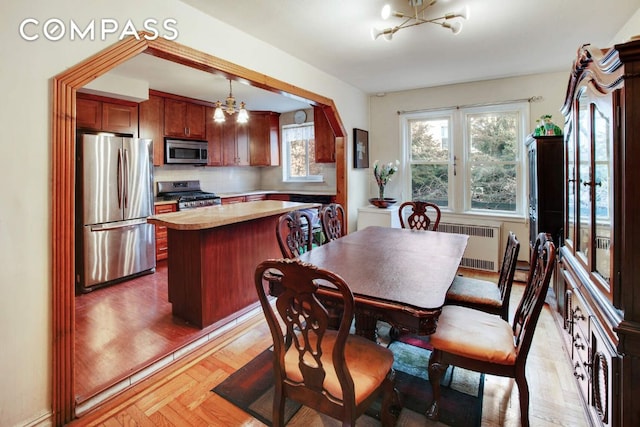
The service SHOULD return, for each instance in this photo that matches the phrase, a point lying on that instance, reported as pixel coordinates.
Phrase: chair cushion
(368, 363)
(474, 334)
(475, 291)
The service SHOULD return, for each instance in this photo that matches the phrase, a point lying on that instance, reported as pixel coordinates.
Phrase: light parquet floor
(180, 395)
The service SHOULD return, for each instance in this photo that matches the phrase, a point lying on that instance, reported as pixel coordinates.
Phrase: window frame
(459, 183)
(286, 156)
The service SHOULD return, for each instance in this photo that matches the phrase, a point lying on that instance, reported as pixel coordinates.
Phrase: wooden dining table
(399, 276)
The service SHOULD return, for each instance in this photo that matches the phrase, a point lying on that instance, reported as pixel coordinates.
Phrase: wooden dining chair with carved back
(418, 215)
(294, 231)
(332, 220)
(331, 371)
(486, 295)
(483, 342)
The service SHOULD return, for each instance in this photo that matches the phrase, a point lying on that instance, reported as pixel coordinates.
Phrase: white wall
(385, 133)
(25, 169)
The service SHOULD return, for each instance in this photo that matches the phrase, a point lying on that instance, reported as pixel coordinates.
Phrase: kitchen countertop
(217, 216)
(302, 192)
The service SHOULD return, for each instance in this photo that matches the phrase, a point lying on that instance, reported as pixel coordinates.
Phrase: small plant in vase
(382, 174)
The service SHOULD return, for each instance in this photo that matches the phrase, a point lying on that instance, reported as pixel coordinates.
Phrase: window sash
(460, 168)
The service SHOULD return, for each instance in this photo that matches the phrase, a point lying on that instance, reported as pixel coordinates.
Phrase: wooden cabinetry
(183, 119)
(546, 175)
(231, 200)
(254, 197)
(162, 243)
(264, 139)
(152, 125)
(102, 114)
(214, 138)
(235, 143)
(599, 266)
(325, 139)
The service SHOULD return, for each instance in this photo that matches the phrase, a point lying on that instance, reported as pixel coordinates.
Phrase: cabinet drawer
(230, 200)
(253, 197)
(162, 240)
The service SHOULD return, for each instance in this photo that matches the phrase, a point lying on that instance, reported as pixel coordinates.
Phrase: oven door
(185, 152)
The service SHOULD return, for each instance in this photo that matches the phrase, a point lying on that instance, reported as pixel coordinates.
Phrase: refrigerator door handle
(119, 178)
(119, 224)
(125, 180)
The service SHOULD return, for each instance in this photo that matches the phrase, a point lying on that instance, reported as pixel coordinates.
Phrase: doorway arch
(63, 143)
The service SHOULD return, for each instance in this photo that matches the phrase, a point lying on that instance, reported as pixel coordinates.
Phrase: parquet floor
(179, 395)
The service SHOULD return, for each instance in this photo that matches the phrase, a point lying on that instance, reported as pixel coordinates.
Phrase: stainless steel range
(188, 194)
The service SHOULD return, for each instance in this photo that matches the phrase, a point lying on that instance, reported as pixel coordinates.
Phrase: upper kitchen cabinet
(184, 119)
(152, 125)
(215, 138)
(102, 114)
(324, 137)
(235, 142)
(264, 140)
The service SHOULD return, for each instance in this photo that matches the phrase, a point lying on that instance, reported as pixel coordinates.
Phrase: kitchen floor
(123, 328)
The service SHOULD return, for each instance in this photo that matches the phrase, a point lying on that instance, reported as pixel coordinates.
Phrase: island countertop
(217, 216)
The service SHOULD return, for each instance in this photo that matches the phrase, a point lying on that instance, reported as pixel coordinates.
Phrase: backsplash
(227, 179)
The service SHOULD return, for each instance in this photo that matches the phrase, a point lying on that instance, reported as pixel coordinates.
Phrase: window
(467, 160)
(299, 154)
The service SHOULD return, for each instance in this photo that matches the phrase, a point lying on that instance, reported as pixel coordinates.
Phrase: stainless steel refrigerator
(114, 198)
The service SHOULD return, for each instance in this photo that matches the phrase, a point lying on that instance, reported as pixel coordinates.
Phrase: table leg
(366, 326)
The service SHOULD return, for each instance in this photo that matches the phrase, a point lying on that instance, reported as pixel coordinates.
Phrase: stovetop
(188, 194)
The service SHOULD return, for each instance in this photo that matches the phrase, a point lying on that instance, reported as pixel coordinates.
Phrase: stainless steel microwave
(179, 151)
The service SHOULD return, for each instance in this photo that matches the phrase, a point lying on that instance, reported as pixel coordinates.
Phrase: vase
(382, 203)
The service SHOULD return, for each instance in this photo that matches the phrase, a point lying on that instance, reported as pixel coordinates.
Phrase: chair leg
(523, 389)
(278, 408)
(436, 370)
(391, 403)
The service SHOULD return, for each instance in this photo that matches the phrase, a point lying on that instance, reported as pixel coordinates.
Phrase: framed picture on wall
(360, 148)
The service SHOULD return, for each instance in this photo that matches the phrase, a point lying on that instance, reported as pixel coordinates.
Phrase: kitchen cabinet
(232, 200)
(162, 243)
(184, 119)
(264, 139)
(325, 139)
(151, 114)
(254, 197)
(103, 114)
(214, 138)
(235, 143)
(277, 196)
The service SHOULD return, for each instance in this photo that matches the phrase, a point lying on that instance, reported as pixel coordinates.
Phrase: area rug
(251, 388)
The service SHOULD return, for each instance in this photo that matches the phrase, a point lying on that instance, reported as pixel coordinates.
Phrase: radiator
(483, 248)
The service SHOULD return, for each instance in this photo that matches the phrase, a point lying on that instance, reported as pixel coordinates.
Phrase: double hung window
(467, 160)
(298, 146)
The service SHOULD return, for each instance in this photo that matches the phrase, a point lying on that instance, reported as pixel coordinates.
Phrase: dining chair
(483, 342)
(294, 231)
(332, 220)
(486, 295)
(418, 215)
(331, 371)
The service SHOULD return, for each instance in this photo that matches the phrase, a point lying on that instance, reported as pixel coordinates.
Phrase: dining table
(396, 275)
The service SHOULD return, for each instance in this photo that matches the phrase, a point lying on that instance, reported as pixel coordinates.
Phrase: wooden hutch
(598, 280)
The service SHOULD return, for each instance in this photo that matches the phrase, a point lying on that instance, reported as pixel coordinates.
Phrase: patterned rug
(251, 389)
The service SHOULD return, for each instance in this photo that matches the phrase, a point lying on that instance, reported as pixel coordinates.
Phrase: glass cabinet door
(570, 209)
(602, 186)
(583, 142)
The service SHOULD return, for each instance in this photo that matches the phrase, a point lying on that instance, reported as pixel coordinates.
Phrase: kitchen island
(213, 255)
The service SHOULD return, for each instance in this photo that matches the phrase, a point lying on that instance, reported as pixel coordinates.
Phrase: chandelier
(417, 17)
(230, 108)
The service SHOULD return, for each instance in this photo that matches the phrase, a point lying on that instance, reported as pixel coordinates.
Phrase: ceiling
(501, 38)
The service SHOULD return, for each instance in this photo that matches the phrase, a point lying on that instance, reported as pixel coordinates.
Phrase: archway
(65, 86)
